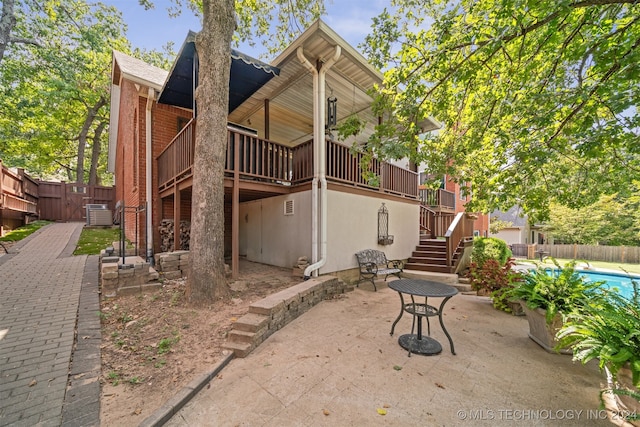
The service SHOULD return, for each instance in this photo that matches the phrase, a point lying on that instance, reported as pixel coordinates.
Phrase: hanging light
(332, 112)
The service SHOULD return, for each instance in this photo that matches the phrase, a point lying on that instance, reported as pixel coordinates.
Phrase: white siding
(268, 236)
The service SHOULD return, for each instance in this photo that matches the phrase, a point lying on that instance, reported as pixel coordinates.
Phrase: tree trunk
(206, 280)
(7, 22)
(82, 138)
(96, 149)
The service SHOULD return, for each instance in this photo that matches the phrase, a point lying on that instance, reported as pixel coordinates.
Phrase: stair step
(461, 287)
(435, 247)
(241, 336)
(429, 254)
(251, 322)
(427, 267)
(426, 260)
(432, 244)
(239, 349)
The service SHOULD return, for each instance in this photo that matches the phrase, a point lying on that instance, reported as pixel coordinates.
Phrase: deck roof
(247, 76)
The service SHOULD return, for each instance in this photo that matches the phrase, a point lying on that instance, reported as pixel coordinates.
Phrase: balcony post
(176, 217)
(235, 209)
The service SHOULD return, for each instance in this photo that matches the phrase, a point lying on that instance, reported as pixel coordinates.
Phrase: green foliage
(135, 380)
(485, 248)
(114, 378)
(613, 220)
(274, 23)
(497, 225)
(351, 126)
(496, 279)
(561, 291)
(24, 231)
(539, 103)
(93, 240)
(165, 344)
(54, 95)
(608, 329)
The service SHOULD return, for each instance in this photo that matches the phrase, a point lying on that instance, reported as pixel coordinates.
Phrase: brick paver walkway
(40, 287)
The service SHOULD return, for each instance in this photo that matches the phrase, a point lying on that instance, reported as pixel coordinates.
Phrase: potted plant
(608, 329)
(548, 296)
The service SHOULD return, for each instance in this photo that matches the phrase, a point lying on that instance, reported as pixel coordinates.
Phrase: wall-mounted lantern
(332, 112)
(384, 238)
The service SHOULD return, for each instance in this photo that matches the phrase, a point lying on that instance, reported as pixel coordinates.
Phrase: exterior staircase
(430, 255)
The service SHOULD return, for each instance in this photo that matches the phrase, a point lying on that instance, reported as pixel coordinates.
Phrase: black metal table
(417, 343)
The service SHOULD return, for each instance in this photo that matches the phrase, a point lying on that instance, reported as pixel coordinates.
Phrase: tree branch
(612, 70)
(25, 41)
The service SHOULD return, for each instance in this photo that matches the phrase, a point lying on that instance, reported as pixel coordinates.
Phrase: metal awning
(247, 76)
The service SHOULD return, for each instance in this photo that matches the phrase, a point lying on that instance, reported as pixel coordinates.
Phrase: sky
(153, 29)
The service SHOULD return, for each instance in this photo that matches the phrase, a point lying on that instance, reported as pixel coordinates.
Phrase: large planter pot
(543, 333)
(516, 308)
(618, 405)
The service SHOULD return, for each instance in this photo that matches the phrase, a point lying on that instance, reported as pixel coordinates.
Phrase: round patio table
(417, 343)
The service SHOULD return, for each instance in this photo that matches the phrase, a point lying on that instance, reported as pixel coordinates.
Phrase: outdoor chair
(372, 263)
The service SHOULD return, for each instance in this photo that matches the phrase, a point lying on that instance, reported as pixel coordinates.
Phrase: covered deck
(258, 168)
(278, 128)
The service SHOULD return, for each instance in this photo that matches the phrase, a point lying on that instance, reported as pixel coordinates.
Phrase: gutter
(319, 160)
(148, 160)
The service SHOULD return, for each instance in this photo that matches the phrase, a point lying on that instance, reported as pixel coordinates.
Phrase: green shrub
(485, 248)
(496, 280)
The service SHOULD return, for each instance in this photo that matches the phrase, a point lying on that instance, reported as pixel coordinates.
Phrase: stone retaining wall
(134, 277)
(172, 265)
(275, 311)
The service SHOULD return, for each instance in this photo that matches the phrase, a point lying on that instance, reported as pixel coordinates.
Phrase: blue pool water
(620, 281)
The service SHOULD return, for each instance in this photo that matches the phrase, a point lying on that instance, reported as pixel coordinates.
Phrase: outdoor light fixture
(332, 112)
(383, 226)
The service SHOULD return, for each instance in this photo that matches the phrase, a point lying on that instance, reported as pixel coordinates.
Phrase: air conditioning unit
(98, 214)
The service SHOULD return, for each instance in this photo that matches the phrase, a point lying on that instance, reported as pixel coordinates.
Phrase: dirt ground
(154, 344)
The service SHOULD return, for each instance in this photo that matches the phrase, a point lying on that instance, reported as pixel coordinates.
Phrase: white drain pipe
(319, 159)
(148, 187)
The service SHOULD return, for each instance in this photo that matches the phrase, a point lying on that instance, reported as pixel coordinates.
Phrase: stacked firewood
(166, 235)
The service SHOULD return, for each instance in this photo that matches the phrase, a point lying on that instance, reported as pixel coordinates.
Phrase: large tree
(285, 19)
(55, 94)
(538, 98)
(7, 25)
(612, 221)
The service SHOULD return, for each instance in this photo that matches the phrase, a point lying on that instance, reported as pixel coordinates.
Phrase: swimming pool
(620, 281)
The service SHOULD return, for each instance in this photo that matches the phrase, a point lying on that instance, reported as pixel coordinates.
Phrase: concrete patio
(338, 365)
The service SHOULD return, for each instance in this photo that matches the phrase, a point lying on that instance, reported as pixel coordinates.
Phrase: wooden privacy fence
(60, 201)
(622, 254)
(23, 197)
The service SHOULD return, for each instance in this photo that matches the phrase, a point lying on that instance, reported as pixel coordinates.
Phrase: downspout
(149, 147)
(319, 75)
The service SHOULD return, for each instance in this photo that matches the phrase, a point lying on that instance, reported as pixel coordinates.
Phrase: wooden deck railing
(267, 161)
(175, 162)
(258, 158)
(434, 224)
(440, 198)
(344, 166)
(460, 229)
(15, 189)
(427, 221)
